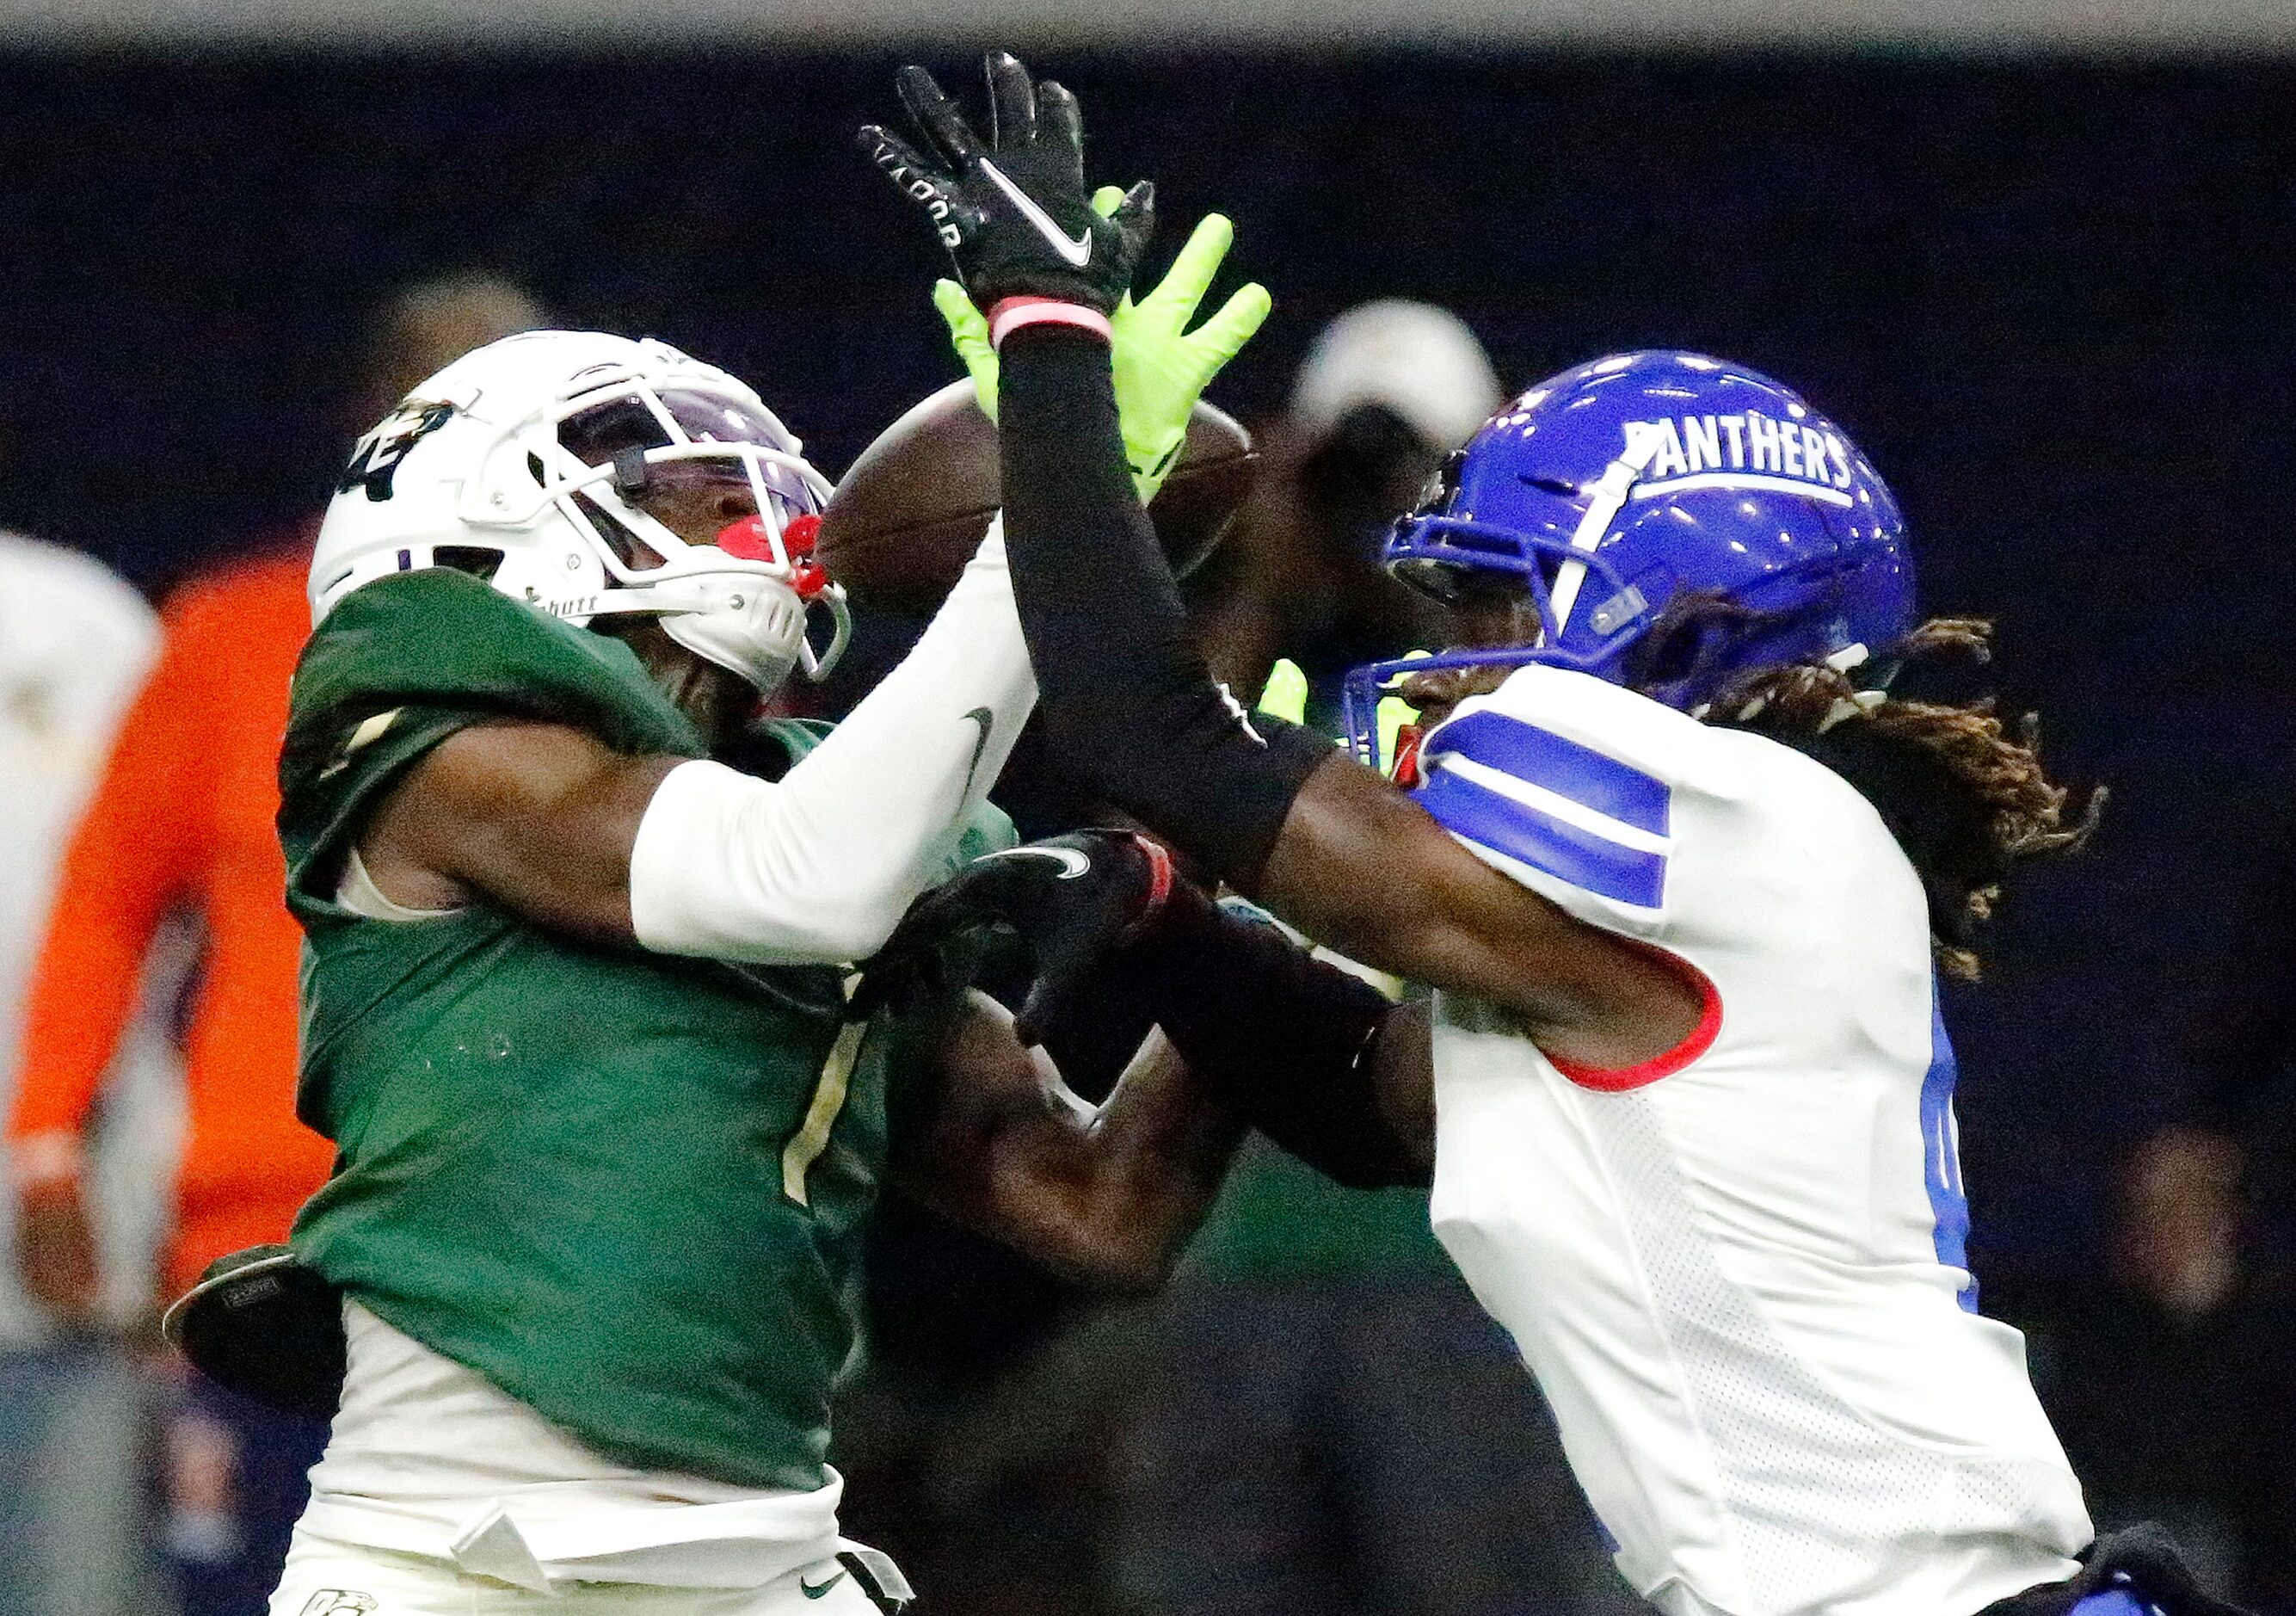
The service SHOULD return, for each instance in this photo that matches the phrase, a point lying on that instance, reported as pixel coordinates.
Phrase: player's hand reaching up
(1014, 210)
(1161, 367)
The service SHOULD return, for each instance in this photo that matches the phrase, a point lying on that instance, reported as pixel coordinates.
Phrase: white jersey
(1737, 1271)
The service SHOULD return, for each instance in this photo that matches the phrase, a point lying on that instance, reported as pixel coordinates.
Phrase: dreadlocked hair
(1965, 794)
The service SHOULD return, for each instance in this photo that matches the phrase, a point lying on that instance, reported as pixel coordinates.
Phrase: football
(910, 513)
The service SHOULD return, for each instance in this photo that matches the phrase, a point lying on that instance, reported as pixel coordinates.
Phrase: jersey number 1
(812, 1136)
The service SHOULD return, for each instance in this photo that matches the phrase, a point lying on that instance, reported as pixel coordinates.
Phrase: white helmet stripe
(1609, 496)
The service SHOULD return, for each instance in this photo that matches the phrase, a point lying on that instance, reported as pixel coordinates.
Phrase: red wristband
(1011, 314)
(1159, 887)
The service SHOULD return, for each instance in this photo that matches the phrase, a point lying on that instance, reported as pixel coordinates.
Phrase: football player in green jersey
(576, 1002)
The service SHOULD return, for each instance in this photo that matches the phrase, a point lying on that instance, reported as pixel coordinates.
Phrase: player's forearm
(1293, 1043)
(1107, 1202)
(84, 991)
(1116, 1202)
(1129, 703)
(1169, 1140)
(820, 866)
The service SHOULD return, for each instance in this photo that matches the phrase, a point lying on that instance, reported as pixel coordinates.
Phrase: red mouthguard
(748, 540)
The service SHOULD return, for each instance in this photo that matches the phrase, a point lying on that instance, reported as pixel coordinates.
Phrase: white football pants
(324, 1578)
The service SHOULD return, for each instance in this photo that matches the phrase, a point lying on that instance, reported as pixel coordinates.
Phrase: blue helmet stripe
(1584, 775)
(1519, 831)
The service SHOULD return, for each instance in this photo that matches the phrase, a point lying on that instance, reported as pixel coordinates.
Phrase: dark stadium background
(2052, 298)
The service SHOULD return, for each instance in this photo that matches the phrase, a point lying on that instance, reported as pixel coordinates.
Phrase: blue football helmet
(1611, 491)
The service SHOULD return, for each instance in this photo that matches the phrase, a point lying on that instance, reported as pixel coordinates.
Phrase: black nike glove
(1016, 215)
(1073, 900)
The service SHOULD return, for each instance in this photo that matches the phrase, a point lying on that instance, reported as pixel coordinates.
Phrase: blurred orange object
(183, 817)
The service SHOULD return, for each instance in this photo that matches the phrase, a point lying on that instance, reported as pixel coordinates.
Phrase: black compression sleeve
(1282, 1036)
(1130, 705)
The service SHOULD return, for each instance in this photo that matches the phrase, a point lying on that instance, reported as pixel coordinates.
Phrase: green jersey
(624, 1187)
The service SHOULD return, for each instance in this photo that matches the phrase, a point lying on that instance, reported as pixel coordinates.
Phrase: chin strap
(755, 629)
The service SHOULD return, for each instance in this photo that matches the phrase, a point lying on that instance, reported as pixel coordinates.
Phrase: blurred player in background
(1386, 391)
(182, 820)
(74, 643)
(575, 1017)
(2168, 1380)
(1329, 1421)
(1684, 1093)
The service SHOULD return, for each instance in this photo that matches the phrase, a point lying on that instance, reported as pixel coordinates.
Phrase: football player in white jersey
(1682, 872)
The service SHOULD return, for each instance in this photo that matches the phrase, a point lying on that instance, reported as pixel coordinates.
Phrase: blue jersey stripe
(1568, 769)
(1941, 1158)
(1592, 863)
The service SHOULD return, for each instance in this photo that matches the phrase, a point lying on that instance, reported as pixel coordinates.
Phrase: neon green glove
(1160, 367)
(1392, 714)
(968, 331)
(1285, 696)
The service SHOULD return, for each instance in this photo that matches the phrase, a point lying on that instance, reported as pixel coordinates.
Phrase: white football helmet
(522, 462)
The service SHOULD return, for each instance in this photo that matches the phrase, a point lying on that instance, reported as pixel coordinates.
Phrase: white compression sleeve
(819, 867)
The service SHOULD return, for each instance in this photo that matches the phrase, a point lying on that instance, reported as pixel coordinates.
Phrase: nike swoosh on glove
(1014, 212)
(1073, 900)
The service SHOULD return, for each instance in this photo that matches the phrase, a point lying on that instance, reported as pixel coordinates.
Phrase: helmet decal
(375, 462)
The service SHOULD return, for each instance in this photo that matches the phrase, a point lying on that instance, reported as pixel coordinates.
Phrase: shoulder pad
(440, 638)
(1567, 776)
